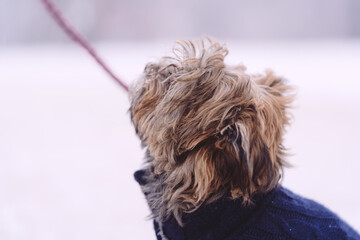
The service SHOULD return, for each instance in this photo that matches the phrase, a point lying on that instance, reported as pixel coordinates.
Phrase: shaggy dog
(212, 133)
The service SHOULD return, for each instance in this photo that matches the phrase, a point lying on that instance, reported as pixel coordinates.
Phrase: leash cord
(78, 38)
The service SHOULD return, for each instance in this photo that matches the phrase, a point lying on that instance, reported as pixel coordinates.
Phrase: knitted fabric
(279, 214)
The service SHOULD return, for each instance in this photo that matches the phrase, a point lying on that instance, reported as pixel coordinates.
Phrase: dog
(214, 151)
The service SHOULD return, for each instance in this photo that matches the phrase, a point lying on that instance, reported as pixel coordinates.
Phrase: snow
(68, 149)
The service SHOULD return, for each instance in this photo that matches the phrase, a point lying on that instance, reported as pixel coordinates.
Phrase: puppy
(214, 155)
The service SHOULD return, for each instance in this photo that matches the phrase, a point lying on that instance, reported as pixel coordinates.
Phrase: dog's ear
(275, 91)
(232, 158)
(247, 162)
(147, 94)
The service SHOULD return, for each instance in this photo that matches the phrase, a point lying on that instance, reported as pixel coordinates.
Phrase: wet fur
(210, 129)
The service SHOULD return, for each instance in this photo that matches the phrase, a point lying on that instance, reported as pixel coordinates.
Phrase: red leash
(77, 37)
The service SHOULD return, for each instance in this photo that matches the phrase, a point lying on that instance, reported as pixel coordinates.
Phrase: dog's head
(210, 129)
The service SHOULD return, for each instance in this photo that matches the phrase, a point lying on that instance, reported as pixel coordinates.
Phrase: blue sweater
(280, 214)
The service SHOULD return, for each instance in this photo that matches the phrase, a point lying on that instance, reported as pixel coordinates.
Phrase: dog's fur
(211, 130)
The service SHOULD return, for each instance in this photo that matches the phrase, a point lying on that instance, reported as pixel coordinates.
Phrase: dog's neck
(225, 213)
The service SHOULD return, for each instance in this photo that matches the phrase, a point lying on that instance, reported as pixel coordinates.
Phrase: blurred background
(25, 22)
(67, 147)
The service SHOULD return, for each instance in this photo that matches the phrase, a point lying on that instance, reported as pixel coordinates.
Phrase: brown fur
(210, 129)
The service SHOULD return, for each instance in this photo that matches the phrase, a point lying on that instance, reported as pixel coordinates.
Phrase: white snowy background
(68, 150)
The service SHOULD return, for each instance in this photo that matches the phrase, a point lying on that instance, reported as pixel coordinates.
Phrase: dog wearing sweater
(214, 151)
